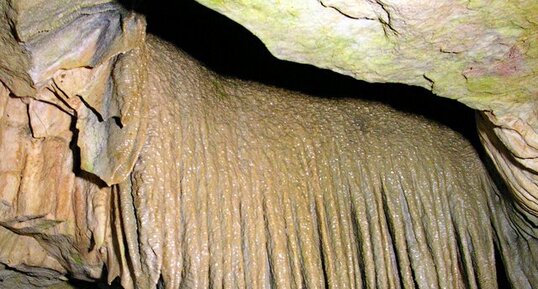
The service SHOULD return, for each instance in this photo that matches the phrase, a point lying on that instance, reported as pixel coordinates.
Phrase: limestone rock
(70, 104)
(482, 53)
(182, 178)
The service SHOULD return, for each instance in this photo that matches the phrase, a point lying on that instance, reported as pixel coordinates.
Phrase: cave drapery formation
(482, 53)
(76, 142)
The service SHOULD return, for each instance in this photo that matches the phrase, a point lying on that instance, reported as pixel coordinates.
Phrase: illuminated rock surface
(121, 157)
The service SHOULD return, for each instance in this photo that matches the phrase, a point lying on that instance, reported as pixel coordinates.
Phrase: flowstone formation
(482, 53)
(122, 159)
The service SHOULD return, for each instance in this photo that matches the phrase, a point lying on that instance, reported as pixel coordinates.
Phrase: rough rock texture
(122, 158)
(57, 82)
(482, 53)
(12, 279)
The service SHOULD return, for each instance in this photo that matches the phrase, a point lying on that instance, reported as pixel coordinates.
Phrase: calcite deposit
(123, 160)
(482, 53)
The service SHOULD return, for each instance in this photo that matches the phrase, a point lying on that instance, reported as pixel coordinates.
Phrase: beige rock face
(123, 158)
(63, 89)
(44, 226)
(482, 53)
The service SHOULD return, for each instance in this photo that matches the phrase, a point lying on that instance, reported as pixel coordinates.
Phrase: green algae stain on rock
(77, 260)
(486, 42)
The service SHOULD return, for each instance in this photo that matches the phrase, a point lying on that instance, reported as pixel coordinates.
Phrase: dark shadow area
(94, 285)
(100, 284)
(77, 170)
